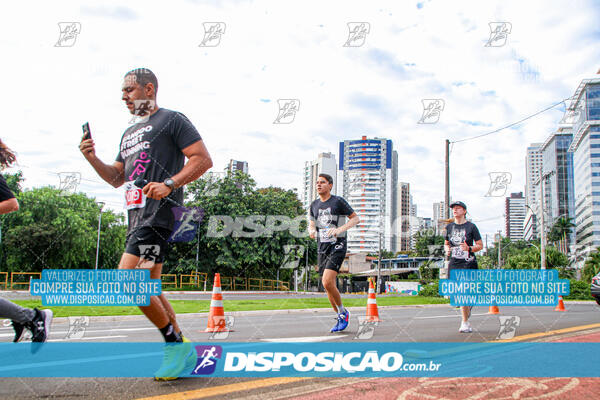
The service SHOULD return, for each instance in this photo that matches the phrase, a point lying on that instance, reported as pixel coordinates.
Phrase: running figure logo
(498, 34)
(499, 182)
(77, 327)
(207, 359)
(68, 182)
(357, 33)
(186, 223)
(291, 256)
(435, 250)
(366, 328)
(148, 255)
(358, 183)
(212, 34)
(68, 34)
(432, 109)
(142, 110)
(287, 111)
(225, 322)
(508, 327)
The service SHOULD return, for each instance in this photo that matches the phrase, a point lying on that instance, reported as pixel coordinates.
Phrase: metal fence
(197, 281)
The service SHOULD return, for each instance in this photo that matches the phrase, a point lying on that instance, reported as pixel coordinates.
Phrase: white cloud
(274, 50)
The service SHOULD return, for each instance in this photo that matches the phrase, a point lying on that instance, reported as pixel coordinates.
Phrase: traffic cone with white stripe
(216, 315)
(372, 313)
(494, 310)
(561, 305)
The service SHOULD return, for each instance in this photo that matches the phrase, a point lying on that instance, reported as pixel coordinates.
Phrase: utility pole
(447, 185)
(542, 223)
(379, 253)
(499, 248)
(197, 252)
(306, 271)
(101, 205)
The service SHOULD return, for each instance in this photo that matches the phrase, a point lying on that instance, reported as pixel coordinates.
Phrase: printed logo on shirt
(139, 165)
(134, 142)
(457, 237)
(325, 217)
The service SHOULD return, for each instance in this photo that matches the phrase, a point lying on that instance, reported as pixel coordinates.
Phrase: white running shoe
(465, 327)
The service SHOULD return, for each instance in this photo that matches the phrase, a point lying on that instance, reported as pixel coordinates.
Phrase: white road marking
(447, 316)
(94, 331)
(305, 339)
(87, 338)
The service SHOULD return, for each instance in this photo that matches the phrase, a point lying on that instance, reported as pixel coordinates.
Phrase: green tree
(384, 254)
(14, 181)
(424, 241)
(234, 198)
(561, 229)
(591, 266)
(529, 258)
(51, 230)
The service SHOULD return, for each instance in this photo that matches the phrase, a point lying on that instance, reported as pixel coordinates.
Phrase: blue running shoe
(343, 319)
(336, 327)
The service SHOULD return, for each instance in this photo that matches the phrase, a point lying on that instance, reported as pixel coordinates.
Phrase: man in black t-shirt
(327, 214)
(462, 242)
(153, 149)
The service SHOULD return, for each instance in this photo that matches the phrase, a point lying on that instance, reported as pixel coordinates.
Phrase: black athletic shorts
(472, 265)
(332, 258)
(148, 242)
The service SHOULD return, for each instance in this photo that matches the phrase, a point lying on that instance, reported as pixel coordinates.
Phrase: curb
(121, 318)
(115, 318)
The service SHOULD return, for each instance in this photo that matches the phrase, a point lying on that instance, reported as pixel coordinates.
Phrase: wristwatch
(170, 183)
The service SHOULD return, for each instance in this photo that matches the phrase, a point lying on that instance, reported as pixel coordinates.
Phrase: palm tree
(561, 230)
(591, 266)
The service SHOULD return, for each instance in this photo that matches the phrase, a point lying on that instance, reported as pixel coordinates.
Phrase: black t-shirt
(329, 214)
(152, 150)
(456, 234)
(5, 192)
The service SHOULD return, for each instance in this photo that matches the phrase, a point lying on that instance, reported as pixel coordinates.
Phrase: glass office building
(559, 200)
(585, 109)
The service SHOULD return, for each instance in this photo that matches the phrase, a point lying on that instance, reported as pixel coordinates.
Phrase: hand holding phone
(87, 133)
(86, 146)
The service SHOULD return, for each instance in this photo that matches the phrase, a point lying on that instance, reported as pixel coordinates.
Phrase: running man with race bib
(327, 214)
(153, 150)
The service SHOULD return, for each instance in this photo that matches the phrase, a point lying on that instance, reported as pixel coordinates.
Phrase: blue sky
(288, 50)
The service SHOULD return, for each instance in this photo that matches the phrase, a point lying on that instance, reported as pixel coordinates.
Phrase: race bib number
(457, 252)
(134, 197)
(323, 238)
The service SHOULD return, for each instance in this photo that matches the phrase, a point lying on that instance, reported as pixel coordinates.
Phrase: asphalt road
(400, 324)
(187, 295)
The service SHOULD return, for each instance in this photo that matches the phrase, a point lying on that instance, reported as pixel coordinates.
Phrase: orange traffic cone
(216, 315)
(561, 305)
(494, 310)
(372, 313)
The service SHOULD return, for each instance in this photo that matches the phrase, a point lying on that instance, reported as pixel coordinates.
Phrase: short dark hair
(328, 177)
(144, 76)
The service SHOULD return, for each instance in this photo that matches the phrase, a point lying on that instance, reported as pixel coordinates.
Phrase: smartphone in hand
(87, 134)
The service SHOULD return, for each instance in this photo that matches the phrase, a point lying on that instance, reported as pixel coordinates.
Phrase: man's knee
(328, 283)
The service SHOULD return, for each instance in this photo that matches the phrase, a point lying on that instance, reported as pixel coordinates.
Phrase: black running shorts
(332, 258)
(148, 242)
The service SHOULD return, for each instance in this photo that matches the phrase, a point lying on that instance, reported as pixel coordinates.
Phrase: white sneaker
(465, 327)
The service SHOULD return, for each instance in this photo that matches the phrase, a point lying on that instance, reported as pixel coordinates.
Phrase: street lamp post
(101, 205)
(542, 237)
